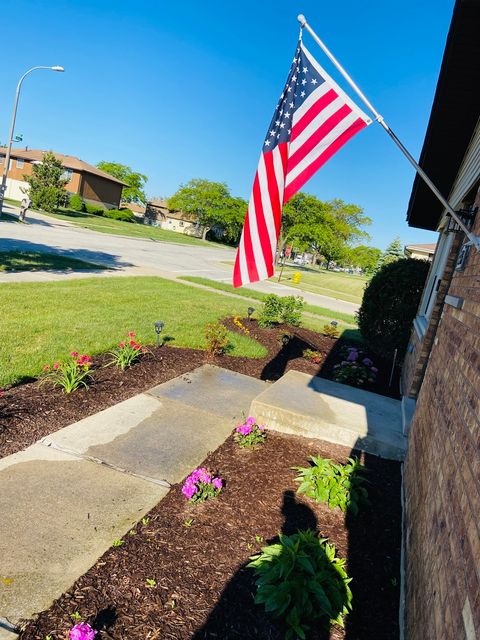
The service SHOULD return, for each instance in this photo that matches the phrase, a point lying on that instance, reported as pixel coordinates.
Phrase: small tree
(390, 303)
(47, 186)
(392, 253)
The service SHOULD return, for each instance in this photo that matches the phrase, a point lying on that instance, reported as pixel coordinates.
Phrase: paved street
(130, 256)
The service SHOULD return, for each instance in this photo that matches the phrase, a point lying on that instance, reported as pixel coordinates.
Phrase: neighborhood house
(91, 184)
(420, 251)
(158, 214)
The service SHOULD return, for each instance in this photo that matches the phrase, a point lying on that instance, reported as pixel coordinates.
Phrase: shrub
(76, 203)
(127, 352)
(301, 581)
(250, 434)
(313, 356)
(277, 309)
(339, 485)
(330, 331)
(125, 216)
(217, 338)
(94, 209)
(389, 305)
(355, 368)
(201, 485)
(71, 374)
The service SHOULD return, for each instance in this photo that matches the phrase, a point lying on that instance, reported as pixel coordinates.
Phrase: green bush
(76, 203)
(276, 309)
(339, 485)
(389, 305)
(302, 582)
(125, 215)
(94, 209)
(216, 335)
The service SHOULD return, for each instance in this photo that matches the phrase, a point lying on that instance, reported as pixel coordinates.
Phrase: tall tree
(364, 257)
(392, 253)
(47, 184)
(136, 181)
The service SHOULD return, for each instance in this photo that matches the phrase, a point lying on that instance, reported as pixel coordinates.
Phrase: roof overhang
(453, 118)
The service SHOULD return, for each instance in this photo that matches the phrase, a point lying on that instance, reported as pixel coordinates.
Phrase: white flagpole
(475, 240)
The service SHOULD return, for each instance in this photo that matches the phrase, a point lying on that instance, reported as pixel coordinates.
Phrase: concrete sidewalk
(65, 499)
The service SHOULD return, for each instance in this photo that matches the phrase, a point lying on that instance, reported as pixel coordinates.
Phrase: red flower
(132, 343)
(56, 365)
(131, 334)
(136, 347)
(74, 354)
(121, 345)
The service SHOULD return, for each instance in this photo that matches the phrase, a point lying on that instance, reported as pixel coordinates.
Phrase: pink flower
(217, 483)
(74, 354)
(131, 334)
(250, 421)
(244, 429)
(261, 427)
(205, 476)
(82, 631)
(121, 345)
(56, 365)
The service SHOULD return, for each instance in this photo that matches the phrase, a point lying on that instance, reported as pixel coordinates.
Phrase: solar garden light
(158, 330)
(250, 311)
(334, 323)
(285, 339)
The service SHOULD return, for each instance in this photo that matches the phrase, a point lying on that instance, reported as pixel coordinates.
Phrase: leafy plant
(201, 485)
(76, 203)
(217, 338)
(145, 521)
(277, 309)
(355, 369)
(75, 616)
(339, 485)
(301, 581)
(118, 543)
(125, 215)
(330, 331)
(71, 374)
(313, 356)
(47, 184)
(94, 209)
(291, 312)
(151, 582)
(250, 434)
(127, 352)
(188, 523)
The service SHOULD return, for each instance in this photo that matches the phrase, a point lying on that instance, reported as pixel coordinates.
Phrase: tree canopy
(392, 253)
(136, 181)
(47, 184)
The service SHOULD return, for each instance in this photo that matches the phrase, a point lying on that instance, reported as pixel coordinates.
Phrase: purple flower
(374, 369)
(250, 421)
(352, 356)
(217, 483)
(82, 631)
(205, 476)
(367, 362)
(261, 427)
(189, 490)
(244, 429)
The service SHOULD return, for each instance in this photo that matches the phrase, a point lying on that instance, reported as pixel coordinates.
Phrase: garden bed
(194, 555)
(30, 411)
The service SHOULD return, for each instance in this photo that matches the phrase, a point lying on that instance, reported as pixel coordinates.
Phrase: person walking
(24, 206)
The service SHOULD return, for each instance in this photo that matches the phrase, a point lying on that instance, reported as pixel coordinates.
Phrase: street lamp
(3, 184)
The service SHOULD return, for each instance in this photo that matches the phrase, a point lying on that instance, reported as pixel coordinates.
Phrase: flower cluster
(71, 374)
(355, 369)
(127, 352)
(82, 631)
(313, 356)
(238, 323)
(201, 485)
(250, 434)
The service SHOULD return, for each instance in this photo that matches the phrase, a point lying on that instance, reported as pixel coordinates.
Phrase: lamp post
(3, 184)
(158, 330)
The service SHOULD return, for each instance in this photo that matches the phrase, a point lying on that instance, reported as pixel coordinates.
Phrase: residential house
(92, 184)
(420, 251)
(158, 214)
(441, 373)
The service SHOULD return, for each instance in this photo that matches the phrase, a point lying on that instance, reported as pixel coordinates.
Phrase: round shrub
(389, 305)
(76, 203)
(125, 215)
(94, 209)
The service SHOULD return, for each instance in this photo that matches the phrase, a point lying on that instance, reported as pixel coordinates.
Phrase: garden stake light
(158, 330)
(250, 311)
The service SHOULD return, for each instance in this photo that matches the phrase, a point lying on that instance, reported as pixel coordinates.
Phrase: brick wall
(442, 475)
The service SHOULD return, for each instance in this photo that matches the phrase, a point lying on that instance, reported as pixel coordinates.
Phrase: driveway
(131, 256)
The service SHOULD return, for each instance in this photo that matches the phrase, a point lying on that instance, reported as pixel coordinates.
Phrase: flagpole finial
(302, 20)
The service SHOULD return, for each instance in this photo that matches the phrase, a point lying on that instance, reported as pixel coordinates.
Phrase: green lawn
(45, 321)
(325, 314)
(32, 261)
(343, 286)
(131, 229)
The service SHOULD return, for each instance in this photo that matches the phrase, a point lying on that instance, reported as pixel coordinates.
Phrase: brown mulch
(203, 589)
(31, 411)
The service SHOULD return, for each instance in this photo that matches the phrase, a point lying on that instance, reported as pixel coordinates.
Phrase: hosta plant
(302, 582)
(127, 352)
(201, 485)
(339, 485)
(69, 374)
(250, 434)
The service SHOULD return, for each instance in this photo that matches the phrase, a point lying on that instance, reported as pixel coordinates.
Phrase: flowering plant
(250, 434)
(238, 323)
(313, 356)
(69, 374)
(82, 631)
(126, 352)
(355, 369)
(201, 485)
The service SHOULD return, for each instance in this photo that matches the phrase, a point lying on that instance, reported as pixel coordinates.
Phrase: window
(2, 158)
(181, 223)
(67, 174)
(20, 163)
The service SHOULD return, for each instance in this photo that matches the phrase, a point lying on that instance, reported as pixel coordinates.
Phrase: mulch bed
(203, 589)
(31, 411)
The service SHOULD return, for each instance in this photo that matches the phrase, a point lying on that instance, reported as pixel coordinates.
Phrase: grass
(32, 261)
(131, 229)
(343, 286)
(245, 292)
(45, 321)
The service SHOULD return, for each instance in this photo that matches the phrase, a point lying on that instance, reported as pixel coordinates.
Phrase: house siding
(96, 189)
(442, 474)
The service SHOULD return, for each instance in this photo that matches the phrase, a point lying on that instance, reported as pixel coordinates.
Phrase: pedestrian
(24, 206)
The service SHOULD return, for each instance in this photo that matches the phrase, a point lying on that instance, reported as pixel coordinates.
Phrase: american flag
(313, 119)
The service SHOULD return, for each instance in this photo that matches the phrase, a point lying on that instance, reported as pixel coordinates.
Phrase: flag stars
(304, 70)
(267, 143)
(304, 82)
(303, 94)
(314, 81)
(294, 78)
(282, 125)
(291, 105)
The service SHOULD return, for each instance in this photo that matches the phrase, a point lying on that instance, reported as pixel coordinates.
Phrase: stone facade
(442, 469)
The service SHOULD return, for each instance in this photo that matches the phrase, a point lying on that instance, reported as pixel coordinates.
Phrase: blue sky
(183, 90)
